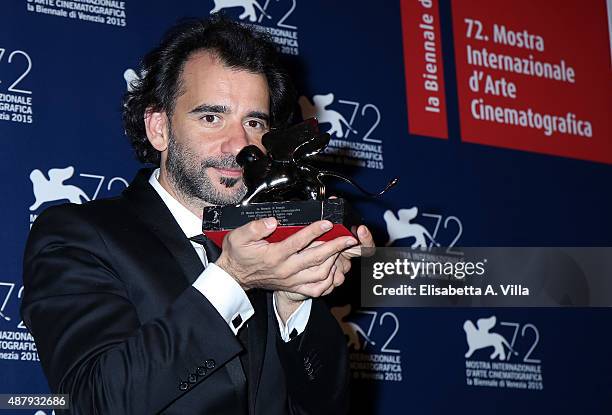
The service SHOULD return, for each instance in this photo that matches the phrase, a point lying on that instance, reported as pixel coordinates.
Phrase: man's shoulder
(71, 225)
(82, 222)
(95, 211)
(99, 211)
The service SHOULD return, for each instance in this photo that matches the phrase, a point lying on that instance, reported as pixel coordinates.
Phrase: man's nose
(236, 139)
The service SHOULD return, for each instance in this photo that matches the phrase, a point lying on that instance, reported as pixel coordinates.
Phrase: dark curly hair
(236, 45)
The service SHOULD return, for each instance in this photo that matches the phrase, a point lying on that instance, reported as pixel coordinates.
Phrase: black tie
(212, 250)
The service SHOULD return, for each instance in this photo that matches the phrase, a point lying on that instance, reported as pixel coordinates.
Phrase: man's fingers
(339, 278)
(328, 291)
(316, 255)
(316, 289)
(293, 263)
(366, 240)
(343, 263)
(253, 231)
(321, 280)
(302, 238)
(365, 237)
(335, 279)
(312, 275)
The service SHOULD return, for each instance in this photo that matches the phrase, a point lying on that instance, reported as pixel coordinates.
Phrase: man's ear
(156, 126)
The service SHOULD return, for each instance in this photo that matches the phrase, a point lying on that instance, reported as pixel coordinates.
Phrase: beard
(189, 175)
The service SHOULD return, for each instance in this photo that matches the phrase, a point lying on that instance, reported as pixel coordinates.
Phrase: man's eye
(256, 124)
(209, 118)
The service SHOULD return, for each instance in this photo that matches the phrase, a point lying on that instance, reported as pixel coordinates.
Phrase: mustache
(228, 162)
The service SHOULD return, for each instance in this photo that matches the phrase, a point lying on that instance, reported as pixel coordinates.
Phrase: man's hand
(342, 264)
(295, 265)
(288, 302)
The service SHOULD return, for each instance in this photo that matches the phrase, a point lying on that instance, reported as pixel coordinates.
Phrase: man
(130, 316)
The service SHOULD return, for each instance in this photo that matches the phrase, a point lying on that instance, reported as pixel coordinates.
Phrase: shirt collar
(190, 224)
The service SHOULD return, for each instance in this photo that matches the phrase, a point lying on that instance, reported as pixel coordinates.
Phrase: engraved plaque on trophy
(282, 184)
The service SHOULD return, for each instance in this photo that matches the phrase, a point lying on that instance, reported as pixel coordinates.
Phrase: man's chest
(154, 267)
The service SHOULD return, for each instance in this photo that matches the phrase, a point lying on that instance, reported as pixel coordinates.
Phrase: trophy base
(291, 216)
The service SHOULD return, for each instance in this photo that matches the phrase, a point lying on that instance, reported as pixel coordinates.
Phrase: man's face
(219, 111)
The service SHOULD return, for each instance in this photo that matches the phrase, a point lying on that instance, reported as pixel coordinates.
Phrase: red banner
(424, 68)
(535, 76)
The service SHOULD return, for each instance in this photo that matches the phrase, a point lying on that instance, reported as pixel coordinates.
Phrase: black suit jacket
(118, 326)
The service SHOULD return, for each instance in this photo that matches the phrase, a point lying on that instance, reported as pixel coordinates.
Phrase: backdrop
(494, 114)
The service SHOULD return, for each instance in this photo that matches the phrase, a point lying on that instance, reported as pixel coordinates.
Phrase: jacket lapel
(151, 210)
(149, 207)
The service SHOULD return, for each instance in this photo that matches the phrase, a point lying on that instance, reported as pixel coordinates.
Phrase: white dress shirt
(220, 288)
